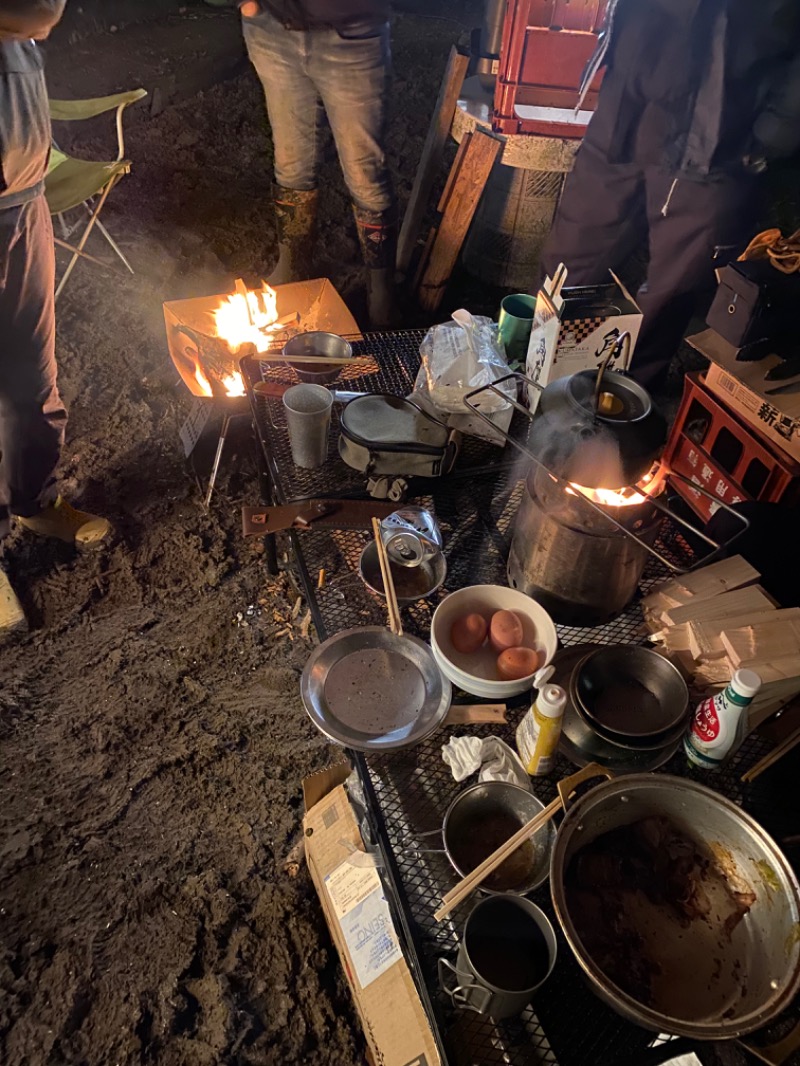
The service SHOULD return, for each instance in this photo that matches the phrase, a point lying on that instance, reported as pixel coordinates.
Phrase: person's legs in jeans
(694, 227)
(351, 70)
(32, 416)
(281, 60)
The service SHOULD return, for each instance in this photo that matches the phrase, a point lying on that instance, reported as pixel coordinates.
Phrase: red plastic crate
(546, 46)
(709, 445)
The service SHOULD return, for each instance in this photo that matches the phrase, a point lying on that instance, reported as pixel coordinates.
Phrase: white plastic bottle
(718, 722)
(539, 731)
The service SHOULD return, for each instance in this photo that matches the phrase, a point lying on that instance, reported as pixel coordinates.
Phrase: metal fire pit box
(317, 302)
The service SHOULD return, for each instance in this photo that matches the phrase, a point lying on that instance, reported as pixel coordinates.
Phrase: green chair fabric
(70, 182)
(75, 110)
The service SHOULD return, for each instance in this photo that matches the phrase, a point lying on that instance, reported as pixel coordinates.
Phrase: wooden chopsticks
(468, 884)
(328, 360)
(395, 625)
(769, 760)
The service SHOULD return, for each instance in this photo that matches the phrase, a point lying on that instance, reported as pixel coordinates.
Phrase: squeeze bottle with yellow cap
(539, 731)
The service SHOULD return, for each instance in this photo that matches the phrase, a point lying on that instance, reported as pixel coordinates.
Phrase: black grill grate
(412, 789)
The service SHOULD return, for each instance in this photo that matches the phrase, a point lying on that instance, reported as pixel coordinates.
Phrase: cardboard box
(318, 303)
(743, 389)
(358, 917)
(587, 329)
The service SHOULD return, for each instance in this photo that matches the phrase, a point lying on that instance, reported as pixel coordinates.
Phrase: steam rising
(576, 447)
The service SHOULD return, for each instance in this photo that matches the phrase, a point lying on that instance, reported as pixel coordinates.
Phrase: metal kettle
(598, 428)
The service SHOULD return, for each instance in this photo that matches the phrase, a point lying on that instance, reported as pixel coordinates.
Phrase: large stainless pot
(712, 987)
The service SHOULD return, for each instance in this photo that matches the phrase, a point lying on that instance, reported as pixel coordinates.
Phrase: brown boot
(297, 229)
(377, 235)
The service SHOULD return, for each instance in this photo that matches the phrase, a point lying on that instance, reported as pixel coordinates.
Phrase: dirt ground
(153, 741)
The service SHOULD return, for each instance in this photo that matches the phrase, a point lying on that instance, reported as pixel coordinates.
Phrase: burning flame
(624, 497)
(249, 317)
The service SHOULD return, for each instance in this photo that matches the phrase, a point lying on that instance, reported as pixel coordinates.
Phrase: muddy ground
(153, 741)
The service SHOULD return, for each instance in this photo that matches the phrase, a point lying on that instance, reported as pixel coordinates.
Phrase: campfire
(208, 336)
(650, 485)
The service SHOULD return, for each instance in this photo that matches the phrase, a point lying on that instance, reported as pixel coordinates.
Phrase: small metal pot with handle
(507, 951)
(482, 817)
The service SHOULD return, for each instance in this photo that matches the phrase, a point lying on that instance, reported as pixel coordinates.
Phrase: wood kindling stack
(717, 620)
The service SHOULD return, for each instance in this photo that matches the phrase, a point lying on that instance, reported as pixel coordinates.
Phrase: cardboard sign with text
(742, 387)
(352, 896)
(577, 332)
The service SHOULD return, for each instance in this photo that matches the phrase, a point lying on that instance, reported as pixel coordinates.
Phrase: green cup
(514, 324)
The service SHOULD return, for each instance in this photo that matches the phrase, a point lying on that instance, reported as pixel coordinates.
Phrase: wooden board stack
(717, 620)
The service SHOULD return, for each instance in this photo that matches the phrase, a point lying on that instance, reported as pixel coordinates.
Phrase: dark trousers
(32, 416)
(692, 226)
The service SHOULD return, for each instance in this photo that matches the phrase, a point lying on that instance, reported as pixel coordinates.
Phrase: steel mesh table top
(409, 791)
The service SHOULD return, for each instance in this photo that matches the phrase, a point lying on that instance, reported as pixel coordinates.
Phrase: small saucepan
(317, 343)
(478, 820)
(630, 695)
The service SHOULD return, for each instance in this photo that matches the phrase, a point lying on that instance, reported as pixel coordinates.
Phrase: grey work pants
(692, 226)
(32, 416)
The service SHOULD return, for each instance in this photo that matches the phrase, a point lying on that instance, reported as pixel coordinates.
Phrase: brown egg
(515, 663)
(505, 630)
(468, 632)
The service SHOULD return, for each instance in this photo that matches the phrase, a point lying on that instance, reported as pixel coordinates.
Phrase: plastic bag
(460, 356)
(492, 756)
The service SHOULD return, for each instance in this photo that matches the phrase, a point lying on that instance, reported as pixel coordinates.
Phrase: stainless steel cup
(507, 951)
(308, 417)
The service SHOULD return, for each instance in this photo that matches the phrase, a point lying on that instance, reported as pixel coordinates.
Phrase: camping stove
(581, 551)
(573, 559)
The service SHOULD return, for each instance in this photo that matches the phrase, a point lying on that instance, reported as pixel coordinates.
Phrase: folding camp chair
(74, 182)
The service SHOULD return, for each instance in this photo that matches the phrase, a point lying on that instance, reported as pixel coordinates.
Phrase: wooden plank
(764, 640)
(12, 617)
(761, 710)
(702, 584)
(753, 598)
(476, 714)
(431, 158)
(466, 191)
(776, 670)
(705, 638)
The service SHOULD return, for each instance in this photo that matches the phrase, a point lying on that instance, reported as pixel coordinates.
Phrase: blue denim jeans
(344, 73)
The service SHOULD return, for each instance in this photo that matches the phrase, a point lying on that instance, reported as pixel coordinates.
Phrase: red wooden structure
(546, 46)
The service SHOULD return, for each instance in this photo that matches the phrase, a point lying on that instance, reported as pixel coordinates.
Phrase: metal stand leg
(223, 433)
(268, 497)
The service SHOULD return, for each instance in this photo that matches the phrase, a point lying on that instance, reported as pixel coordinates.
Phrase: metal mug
(507, 951)
(514, 324)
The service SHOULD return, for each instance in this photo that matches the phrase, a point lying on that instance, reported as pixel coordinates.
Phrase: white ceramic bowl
(477, 673)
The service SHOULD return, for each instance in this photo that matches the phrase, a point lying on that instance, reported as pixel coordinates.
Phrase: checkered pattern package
(577, 341)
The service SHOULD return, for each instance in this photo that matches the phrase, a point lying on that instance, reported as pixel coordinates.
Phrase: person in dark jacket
(32, 416)
(699, 96)
(332, 56)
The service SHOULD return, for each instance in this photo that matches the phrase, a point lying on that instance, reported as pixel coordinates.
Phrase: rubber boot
(297, 228)
(377, 235)
(62, 521)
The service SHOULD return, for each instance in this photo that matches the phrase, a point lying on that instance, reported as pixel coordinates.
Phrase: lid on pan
(393, 424)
